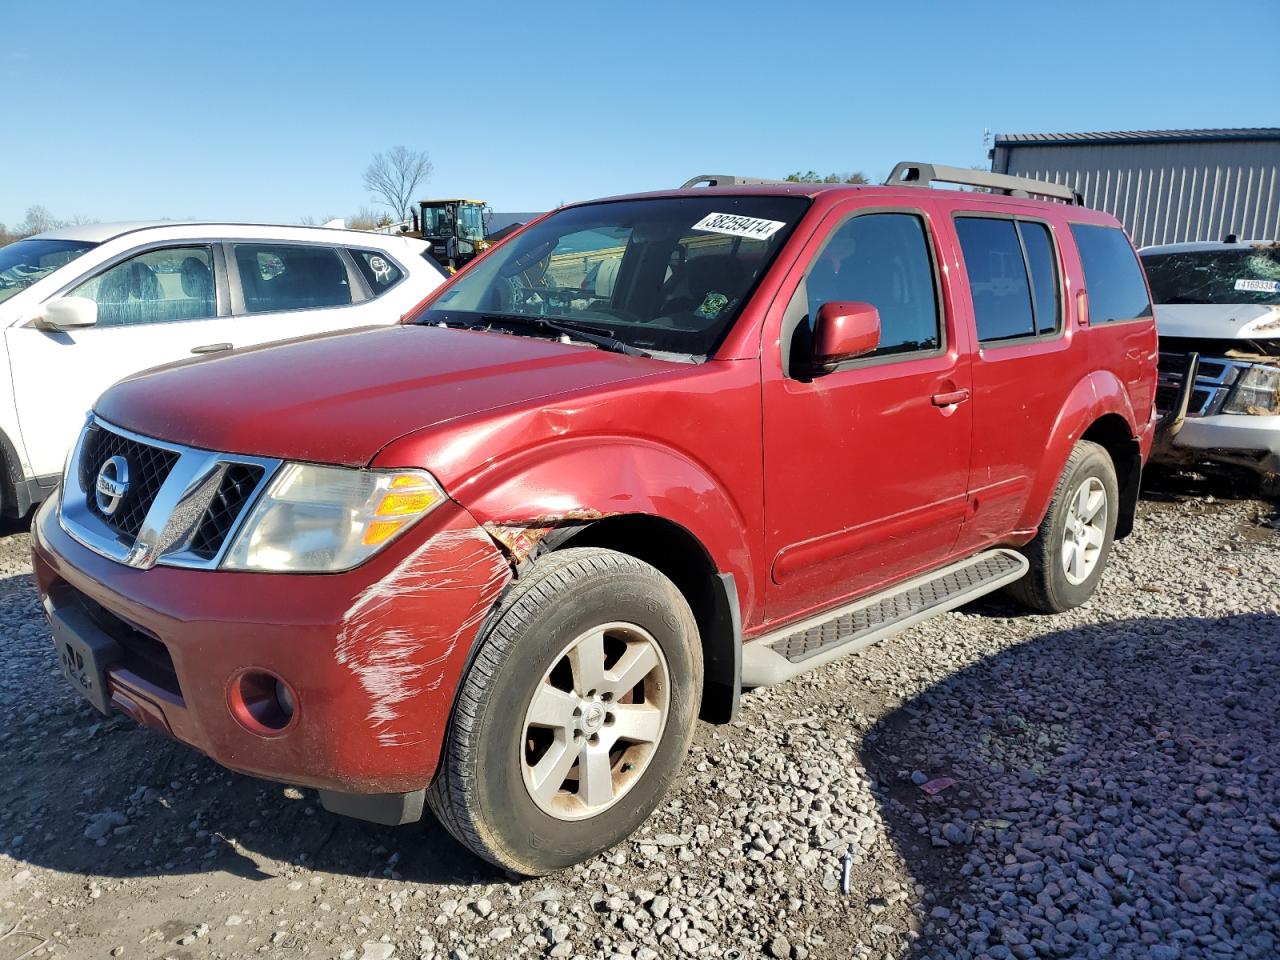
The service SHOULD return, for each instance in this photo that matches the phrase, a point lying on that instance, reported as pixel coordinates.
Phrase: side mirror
(845, 329)
(68, 313)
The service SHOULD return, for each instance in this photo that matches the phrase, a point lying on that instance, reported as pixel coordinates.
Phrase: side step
(805, 646)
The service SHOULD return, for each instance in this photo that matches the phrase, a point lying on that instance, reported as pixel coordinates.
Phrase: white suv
(82, 307)
(1218, 311)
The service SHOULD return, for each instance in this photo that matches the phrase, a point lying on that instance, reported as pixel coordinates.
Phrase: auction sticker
(1259, 286)
(730, 224)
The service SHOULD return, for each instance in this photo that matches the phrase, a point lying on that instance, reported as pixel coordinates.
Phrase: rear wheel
(1074, 541)
(575, 716)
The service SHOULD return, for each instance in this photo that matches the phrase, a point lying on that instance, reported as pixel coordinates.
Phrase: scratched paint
(393, 663)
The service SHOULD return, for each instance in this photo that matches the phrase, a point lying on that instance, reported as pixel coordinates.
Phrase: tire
(498, 788)
(1061, 575)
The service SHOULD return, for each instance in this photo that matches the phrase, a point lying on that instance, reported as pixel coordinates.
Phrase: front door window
(159, 286)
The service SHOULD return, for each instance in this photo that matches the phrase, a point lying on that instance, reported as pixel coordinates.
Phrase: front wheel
(575, 716)
(1074, 541)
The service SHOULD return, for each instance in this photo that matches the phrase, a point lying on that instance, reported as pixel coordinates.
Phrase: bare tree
(394, 176)
(367, 218)
(38, 219)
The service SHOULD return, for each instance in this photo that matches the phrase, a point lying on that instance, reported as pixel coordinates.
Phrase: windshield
(1248, 274)
(666, 275)
(25, 262)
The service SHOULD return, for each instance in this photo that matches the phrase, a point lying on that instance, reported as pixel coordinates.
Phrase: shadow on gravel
(1162, 484)
(1115, 794)
(10, 526)
(164, 808)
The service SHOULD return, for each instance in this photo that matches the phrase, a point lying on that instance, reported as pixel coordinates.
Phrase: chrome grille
(148, 468)
(181, 504)
(1216, 377)
(237, 486)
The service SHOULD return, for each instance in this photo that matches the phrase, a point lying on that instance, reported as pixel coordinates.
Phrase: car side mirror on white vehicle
(68, 313)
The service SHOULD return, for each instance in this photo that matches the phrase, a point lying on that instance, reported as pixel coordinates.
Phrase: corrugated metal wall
(1165, 192)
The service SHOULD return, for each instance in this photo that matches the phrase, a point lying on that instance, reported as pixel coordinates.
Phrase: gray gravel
(1101, 783)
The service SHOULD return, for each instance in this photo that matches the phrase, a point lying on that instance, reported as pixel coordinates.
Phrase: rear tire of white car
(1071, 548)
(575, 716)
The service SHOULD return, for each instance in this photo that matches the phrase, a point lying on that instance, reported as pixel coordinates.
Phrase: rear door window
(1117, 289)
(1002, 305)
(1013, 277)
(1043, 266)
(881, 259)
(159, 286)
(377, 269)
(277, 277)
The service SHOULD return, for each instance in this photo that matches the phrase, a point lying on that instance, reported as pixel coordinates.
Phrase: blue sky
(271, 110)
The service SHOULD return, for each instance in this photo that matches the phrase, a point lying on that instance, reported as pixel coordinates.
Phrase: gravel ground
(1101, 783)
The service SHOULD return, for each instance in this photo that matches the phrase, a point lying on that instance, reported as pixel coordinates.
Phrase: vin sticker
(1259, 286)
(753, 228)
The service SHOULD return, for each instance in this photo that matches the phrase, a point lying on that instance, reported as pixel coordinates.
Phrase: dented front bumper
(372, 656)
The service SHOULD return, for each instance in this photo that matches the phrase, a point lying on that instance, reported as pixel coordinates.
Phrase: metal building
(1165, 186)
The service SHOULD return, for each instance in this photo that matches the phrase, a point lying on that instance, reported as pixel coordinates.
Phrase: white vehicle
(85, 306)
(1218, 315)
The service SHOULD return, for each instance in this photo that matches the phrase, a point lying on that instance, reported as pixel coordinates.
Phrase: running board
(796, 649)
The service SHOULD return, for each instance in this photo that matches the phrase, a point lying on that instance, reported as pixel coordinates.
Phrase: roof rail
(922, 174)
(725, 180)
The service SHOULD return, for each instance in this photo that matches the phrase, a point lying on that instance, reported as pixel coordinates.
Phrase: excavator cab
(454, 228)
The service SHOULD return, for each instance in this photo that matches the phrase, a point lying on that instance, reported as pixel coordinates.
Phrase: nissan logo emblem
(111, 486)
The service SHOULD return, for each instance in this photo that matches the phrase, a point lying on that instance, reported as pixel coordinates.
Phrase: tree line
(37, 219)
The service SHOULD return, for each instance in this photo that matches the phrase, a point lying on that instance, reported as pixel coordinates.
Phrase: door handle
(211, 348)
(947, 399)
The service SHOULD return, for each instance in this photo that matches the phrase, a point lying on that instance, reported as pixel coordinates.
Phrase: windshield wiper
(588, 334)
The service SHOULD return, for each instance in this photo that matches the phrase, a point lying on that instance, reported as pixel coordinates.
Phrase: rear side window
(1117, 290)
(1013, 278)
(997, 278)
(285, 277)
(881, 259)
(377, 269)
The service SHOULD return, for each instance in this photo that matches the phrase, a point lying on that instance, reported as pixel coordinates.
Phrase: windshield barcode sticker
(1259, 286)
(733, 225)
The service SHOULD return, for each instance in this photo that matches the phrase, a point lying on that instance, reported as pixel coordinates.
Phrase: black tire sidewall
(516, 824)
(1064, 594)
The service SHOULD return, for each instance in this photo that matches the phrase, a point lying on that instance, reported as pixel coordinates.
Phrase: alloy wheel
(1085, 532)
(594, 721)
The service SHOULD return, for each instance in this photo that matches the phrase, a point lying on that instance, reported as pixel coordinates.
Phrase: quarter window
(377, 269)
(881, 259)
(278, 277)
(159, 286)
(1117, 289)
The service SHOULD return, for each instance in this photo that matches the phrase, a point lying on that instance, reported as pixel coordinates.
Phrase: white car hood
(1218, 321)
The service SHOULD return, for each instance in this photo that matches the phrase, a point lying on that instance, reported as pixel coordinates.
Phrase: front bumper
(1239, 439)
(373, 655)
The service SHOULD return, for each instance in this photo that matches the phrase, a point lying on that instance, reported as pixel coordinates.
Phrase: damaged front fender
(406, 638)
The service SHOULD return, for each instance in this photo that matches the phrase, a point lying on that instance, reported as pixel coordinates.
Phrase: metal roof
(1140, 136)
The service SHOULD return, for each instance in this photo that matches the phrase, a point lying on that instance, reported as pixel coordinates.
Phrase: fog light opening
(262, 702)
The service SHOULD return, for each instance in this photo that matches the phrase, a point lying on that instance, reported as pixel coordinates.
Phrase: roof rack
(922, 174)
(725, 180)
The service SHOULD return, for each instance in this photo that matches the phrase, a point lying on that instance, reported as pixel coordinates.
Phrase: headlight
(315, 519)
(1257, 392)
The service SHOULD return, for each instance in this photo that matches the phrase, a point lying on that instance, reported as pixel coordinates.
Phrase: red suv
(643, 454)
